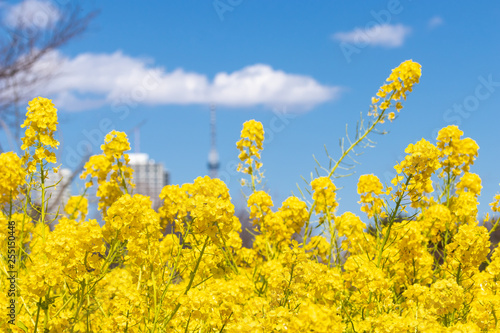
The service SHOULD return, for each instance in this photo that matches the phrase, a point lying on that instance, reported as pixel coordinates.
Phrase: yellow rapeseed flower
(250, 147)
(114, 176)
(41, 124)
(12, 176)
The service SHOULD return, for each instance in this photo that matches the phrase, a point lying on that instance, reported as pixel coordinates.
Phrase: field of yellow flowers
(309, 270)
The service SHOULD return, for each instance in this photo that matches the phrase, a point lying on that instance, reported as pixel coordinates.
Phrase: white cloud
(379, 35)
(40, 14)
(435, 22)
(92, 80)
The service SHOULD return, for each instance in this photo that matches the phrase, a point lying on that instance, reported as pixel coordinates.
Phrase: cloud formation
(92, 80)
(434, 22)
(386, 35)
(28, 14)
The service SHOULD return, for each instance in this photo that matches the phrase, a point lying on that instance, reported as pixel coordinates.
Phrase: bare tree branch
(23, 48)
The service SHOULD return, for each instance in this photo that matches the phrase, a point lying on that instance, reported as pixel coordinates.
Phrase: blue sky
(318, 61)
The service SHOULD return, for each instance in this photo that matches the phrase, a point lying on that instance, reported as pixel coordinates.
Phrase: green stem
(122, 177)
(391, 222)
(71, 216)
(191, 279)
(79, 306)
(361, 138)
(344, 155)
(38, 313)
(174, 269)
(42, 213)
(494, 227)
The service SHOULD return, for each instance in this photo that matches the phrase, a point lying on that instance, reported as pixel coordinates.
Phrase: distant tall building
(149, 177)
(213, 155)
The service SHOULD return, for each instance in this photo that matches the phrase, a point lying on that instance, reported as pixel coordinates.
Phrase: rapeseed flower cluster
(370, 188)
(183, 268)
(457, 154)
(41, 125)
(399, 83)
(495, 205)
(111, 169)
(77, 206)
(324, 196)
(250, 145)
(12, 177)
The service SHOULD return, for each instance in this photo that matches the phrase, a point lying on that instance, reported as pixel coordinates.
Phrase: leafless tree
(27, 36)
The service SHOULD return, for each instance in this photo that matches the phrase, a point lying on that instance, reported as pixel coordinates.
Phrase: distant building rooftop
(140, 158)
(149, 177)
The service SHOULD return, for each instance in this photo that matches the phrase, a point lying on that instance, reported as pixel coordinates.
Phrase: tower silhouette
(213, 155)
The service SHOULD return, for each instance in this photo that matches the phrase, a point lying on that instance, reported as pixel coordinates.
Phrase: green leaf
(22, 326)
